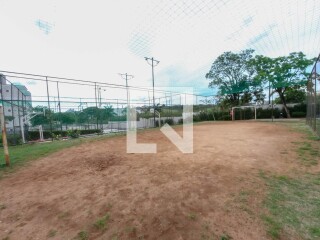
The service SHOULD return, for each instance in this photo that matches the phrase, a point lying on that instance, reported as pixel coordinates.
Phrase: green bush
(298, 114)
(12, 139)
(56, 136)
(34, 135)
(210, 116)
(169, 121)
(73, 133)
(157, 123)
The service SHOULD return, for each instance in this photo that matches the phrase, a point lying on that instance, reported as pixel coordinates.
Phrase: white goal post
(243, 107)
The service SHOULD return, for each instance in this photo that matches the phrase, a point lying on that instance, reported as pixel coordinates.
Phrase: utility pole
(152, 62)
(126, 77)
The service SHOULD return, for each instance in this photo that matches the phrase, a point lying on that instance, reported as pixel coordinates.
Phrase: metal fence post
(50, 117)
(59, 104)
(13, 118)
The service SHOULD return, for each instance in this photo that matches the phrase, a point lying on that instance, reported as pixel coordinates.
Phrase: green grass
(192, 216)
(293, 203)
(52, 233)
(225, 237)
(19, 155)
(101, 223)
(308, 149)
(83, 235)
(308, 154)
(293, 206)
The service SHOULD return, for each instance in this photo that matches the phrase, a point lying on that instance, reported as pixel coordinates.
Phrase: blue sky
(95, 40)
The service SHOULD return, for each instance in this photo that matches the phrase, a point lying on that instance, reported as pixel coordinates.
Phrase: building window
(9, 110)
(7, 90)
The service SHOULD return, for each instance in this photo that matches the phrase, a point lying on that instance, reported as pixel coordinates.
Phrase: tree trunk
(283, 100)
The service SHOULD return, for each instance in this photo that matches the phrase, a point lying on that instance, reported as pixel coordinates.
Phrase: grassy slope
(293, 203)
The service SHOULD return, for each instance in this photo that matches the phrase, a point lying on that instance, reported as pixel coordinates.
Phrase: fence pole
(4, 136)
(97, 112)
(118, 113)
(19, 120)
(315, 97)
(50, 118)
(59, 104)
(13, 120)
(24, 116)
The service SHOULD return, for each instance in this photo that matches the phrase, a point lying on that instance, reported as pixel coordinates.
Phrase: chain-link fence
(313, 98)
(42, 108)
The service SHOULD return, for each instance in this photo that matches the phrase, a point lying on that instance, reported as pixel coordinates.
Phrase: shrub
(169, 121)
(12, 139)
(298, 114)
(56, 136)
(73, 133)
(157, 123)
(34, 135)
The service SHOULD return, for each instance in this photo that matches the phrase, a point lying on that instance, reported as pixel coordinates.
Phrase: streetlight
(100, 96)
(151, 62)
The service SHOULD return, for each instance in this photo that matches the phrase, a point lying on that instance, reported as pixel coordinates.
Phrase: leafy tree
(234, 75)
(158, 107)
(82, 117)
(91, 112)
(283, 73)
(107, 113)
(68, 118)
(41, 119)
(294, 94)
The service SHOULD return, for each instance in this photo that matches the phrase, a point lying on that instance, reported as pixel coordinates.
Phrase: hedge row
(34, 135)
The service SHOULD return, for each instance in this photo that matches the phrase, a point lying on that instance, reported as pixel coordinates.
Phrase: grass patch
(52, 233)
(102, 223)
(293, 203)
(63, 215)
(225, 237)
(308, 154)
(19, 155)
(83, 235)
(192, 216)
(309, 148)
(293, 207)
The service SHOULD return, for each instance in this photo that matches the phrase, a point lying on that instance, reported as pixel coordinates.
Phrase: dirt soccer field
(98, 191)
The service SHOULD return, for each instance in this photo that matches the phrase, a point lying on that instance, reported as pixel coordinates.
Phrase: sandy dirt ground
(214, 192)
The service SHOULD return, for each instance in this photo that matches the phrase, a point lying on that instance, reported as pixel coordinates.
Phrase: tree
(41, 119)
(82, 117)
(92, 113)
(283, 73)
(294, 94)
(107, 113)
(234, 75)
(68, 118)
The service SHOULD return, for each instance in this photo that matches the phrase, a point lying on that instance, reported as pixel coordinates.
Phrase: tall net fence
(313, 98)
(42, 108)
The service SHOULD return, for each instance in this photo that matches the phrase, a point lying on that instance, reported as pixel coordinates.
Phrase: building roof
(22, 88)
